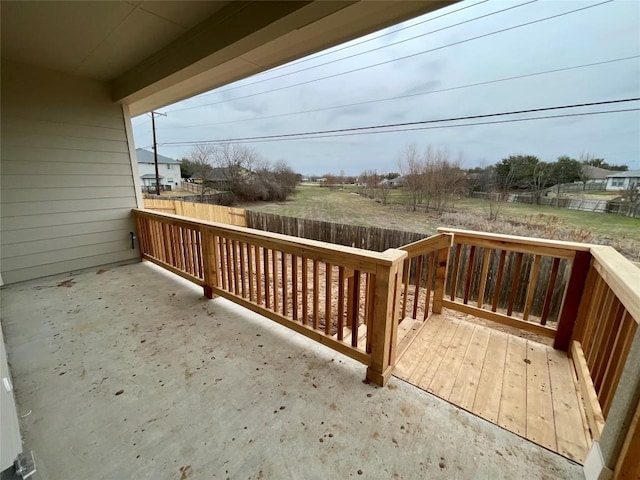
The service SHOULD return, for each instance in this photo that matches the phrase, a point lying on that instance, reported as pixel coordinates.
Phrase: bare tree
(412, 169)
(540, 179)
(631, 195)
(384, 188)
(444, 178)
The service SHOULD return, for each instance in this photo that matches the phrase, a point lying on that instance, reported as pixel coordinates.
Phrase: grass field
(345, 206)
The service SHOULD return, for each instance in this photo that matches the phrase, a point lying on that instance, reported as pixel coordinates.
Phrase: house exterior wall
(169, 171)
(67, 186)
(620, 183)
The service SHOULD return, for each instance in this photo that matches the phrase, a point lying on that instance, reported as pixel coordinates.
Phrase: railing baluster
(294, 285)
(496, 293)
(486, 256)
(305, 291)
(250, 271)
(516, 283)
(274, 277)
(340, 303)
(234, 264)
(267, 278)
(355, 307)
(316, 293)
(454, 273)
(470, 268)
(327, 298)
(405, 283)
(603, 353)
(227, 244)
(370, 292)
(242, 270)
(550, 289)
(427, 291)
(285, 285)
(416, 292)
(531, 289)
(258, 275)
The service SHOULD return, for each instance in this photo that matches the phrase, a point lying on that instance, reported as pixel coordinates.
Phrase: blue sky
(606, 32)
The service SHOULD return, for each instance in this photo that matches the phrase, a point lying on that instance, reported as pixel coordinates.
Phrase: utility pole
(155, 148)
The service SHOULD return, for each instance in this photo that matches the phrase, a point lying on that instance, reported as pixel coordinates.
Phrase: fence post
(384, 328)
(441, 278)
(210, 261)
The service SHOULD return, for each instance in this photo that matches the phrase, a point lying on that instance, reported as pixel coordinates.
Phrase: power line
(526, 119)
(448, 89)
(405, 124)
(352, 45)
(372, 50)
(399, 58)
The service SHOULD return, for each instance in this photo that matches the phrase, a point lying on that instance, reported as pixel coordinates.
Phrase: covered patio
(129, 372)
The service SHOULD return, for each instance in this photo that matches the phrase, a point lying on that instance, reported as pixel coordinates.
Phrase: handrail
(428, 245)
(498, 237)
(260, 271)
(622, 276)
(424, 270)
(356, 258)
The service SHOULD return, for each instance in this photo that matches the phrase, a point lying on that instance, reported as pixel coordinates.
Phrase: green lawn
(345, 206)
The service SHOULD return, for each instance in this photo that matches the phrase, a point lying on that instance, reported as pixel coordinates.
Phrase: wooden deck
(524, 386)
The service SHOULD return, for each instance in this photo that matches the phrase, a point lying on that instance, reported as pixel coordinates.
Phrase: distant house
(168, 169)
(397, 182)
(597, 173)
(622, 180)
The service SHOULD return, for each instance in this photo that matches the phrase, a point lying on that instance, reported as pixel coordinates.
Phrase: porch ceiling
(158, 52)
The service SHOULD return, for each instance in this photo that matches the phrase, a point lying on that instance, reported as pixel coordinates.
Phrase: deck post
(384, 328)
(441, 278)
(210, 262)
(572, 300)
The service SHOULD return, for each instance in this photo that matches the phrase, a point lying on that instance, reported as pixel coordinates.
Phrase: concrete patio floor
(129, 372)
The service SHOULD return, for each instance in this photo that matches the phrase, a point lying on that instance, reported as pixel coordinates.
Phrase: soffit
(95, 39)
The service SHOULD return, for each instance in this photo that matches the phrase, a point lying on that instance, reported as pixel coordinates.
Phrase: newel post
(384, 327)
(442, 260)
(572, 300)
(210, 261)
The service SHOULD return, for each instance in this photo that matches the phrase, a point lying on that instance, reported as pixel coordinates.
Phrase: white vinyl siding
(67, 186)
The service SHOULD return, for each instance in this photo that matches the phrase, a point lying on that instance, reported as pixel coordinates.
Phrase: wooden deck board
(464, 388)
(513, 402)
(445, 377)
(489, 393)
(540, 421)
(572, 441)
(524, 386)
(419, 348)
(439, 351)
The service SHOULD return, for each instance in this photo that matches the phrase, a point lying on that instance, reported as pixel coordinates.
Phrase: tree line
(238, 173)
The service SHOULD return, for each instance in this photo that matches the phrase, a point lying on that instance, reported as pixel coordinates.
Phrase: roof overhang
(155, 53)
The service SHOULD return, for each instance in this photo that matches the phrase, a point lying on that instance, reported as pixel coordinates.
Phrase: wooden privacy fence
(368, 238)
(203, 211)
(342, 297)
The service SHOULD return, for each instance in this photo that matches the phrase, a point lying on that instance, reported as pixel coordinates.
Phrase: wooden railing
(607, 322)
(342, 297)
(585, 296)
(517, 281)
(424, 276)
